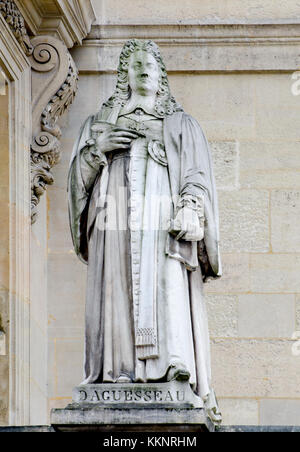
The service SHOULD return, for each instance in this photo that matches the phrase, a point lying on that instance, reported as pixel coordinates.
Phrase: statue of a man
(143, 216)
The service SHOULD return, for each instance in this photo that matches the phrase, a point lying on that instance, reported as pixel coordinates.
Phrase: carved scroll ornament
(54, 68)
(54, 85)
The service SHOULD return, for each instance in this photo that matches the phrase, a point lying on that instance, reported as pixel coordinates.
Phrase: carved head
(141, 68)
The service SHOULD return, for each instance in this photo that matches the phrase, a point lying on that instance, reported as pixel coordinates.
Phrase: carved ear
(54, 84)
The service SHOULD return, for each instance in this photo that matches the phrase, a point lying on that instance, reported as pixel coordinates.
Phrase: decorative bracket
(15, 20)
(54, 84)
(54, 74)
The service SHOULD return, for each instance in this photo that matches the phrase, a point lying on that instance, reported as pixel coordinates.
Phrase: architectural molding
(42, 83)
(68, 20)
(18, 71)
(15, 20)
(54, 74)
(198, 48)
(53, 68)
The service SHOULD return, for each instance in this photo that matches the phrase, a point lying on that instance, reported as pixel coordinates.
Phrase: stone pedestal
(157, 407)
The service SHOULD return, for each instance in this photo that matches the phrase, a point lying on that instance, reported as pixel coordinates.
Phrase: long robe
(181, 267)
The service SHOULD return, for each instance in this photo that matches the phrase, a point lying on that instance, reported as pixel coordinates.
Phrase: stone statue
(144, 217)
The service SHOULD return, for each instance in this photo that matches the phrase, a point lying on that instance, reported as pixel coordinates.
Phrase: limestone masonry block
(273, 94)
(285, 217)
(226, 164)
(223, 104)
(244, 221)
(266, 315)
(275, 273)
(280, 412)
(239, 411)
(191, 11)
(255, 368)
(222, 315)
(236, 277)
(269, 165)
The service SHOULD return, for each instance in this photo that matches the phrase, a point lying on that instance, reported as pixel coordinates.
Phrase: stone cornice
(221, 32)
(209, 48)
(53, 72)
(68, 20)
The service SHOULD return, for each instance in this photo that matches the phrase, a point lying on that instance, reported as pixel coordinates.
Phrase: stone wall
(236, 80)
(4, 248)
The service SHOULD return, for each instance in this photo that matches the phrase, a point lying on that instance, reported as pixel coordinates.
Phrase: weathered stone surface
(59, 240)
(66, 365)
(269, 165)
(267, 315)
(255, 368)
(66, 299)
(285, 218)
(115, 11)
(239, 411)
(4, 358)
(225, 161)
(131, 420)
(280, 412)
(298, 312)
(222, 315)
(133, 406)
(275, 273)
(173, 394)
(2, 343)
(244, 221)
(227, 103)
(236, 277)
(273, 94)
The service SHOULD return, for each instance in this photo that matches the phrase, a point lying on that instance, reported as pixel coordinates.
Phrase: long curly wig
(165, 102)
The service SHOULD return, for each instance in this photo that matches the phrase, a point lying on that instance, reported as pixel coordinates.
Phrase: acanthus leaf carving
(51, 58)
(15, 20)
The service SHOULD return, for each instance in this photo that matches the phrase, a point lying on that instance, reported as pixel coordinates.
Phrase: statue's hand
(187, 225)
(115, 138)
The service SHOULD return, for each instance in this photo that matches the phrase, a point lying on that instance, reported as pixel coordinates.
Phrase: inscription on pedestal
(173, 393)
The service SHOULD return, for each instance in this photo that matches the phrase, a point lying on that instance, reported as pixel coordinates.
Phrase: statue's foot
(123, 378)
(178, 373)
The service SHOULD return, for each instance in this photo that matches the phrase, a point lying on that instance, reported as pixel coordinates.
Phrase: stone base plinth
(157, 407)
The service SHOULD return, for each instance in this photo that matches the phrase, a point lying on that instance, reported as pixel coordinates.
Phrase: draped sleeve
(85, 166)
(192, 178)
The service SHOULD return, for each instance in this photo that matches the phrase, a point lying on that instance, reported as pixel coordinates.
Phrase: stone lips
(172, 394)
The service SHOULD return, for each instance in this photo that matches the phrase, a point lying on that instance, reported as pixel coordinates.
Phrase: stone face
(2, 343)
(139, 406)
(222, 315)
(155, 419)
(267, 315)
(298, 312)
(239, 411)
(244, 221)
(255, 368)
(227, 103)
(173, 394)
(285, 217)
(280, 412)
(226, 164)
(256, 109)
(269, 165)
(235, 278)
(66, 372)
(271, 96)
(115, 11)
(275, 273)
(67, 309)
